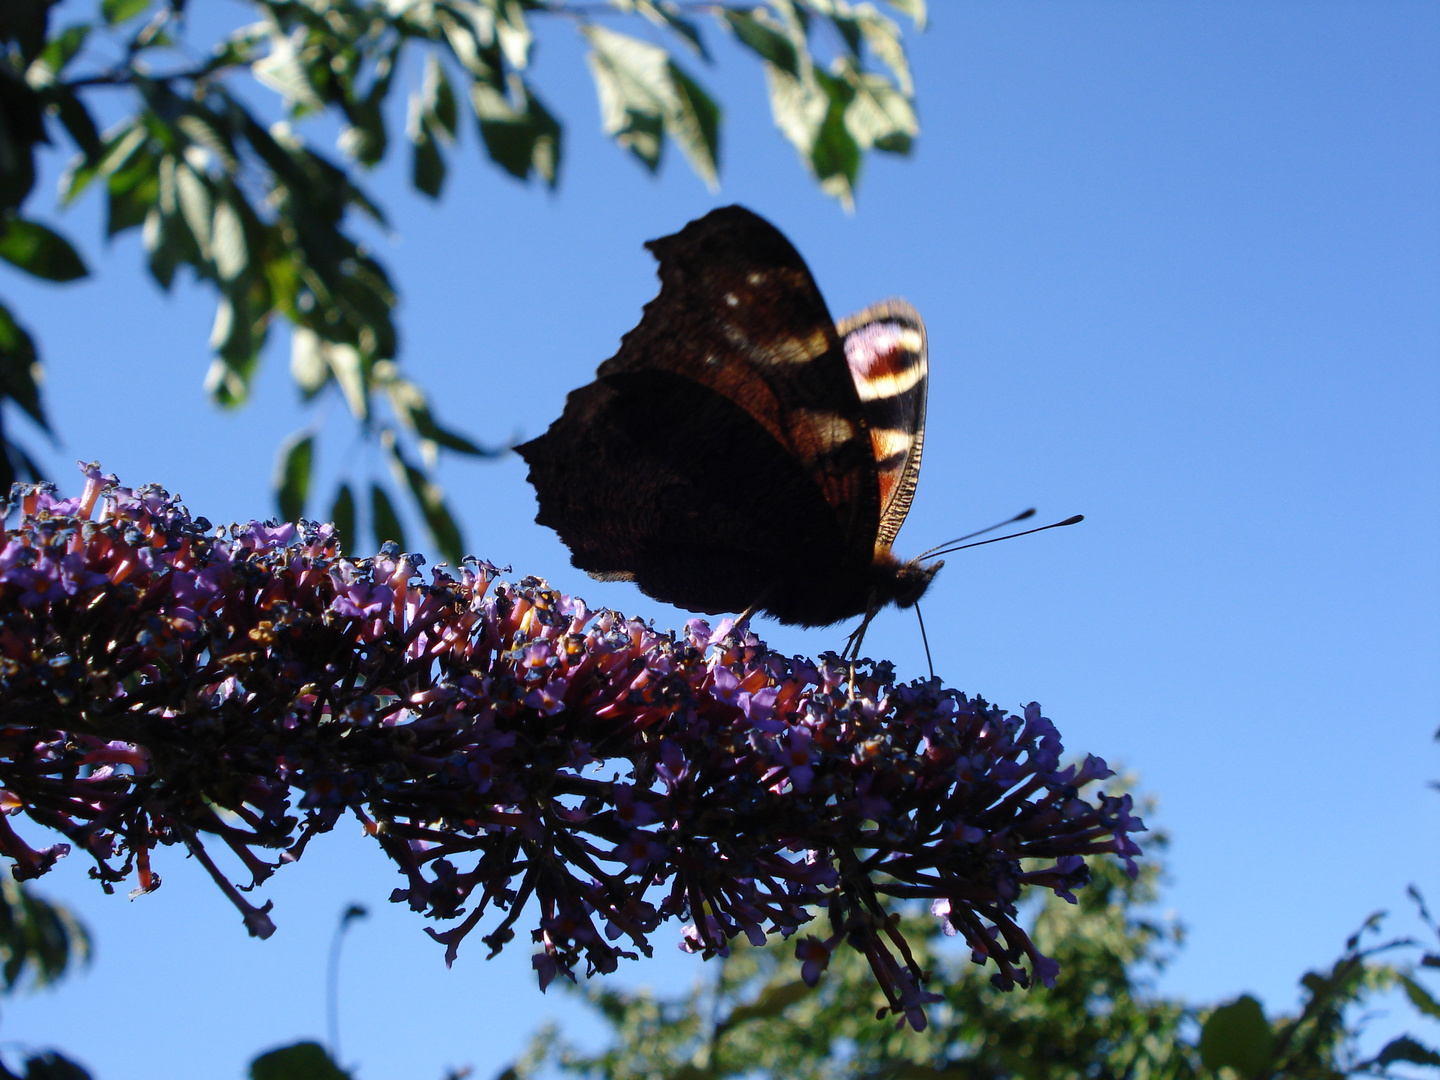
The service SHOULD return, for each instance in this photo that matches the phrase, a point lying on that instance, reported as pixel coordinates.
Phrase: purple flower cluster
(166, 682)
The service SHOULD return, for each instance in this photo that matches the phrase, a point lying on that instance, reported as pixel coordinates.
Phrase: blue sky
(1178, 262)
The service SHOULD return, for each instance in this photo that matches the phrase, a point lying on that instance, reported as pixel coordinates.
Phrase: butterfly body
(740, 449)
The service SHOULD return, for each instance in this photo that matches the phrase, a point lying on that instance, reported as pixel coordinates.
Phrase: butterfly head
(900, 583)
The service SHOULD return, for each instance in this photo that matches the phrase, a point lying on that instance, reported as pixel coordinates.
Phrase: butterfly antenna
(947, 545)
(1009, 536)
(924, 640)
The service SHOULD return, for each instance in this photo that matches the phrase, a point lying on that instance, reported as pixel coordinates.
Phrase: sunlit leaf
(197, 204)
(878, 115)
(519, 133)
(882, 35)
(308, 366)
(695, 125)
(513, 34)
(58, 52)
(283, 71)
(227, 241)
(913, 8)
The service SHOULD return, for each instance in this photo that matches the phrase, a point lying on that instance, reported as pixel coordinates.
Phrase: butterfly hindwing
(886, 351)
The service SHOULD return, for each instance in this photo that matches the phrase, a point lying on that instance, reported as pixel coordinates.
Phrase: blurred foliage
(39, 943)
(302, 1061)
(1104, 1017)
(221, 179)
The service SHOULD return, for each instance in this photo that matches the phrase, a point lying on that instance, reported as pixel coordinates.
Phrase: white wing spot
(732, 299)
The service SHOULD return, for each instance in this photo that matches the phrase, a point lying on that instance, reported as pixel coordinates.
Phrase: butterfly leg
(852, 646)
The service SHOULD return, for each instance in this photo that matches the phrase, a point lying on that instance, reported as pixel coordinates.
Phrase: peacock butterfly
(742, 451)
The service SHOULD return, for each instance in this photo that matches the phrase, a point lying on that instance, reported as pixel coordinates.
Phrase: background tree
(1104, 1017)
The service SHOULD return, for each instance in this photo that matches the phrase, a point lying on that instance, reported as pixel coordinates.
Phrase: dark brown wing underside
(739, 313)
(654, 476)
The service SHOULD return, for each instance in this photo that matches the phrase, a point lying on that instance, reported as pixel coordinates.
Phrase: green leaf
(130, 195)
(764, 39)
(430, 497)
(116, 152)
(883, 37)
(20, 368)
(52, 1065)
(352, 374)
(197, 204)
(39, 251)
(799, 107)
(519, 133)
(284, 71)
(695, 125)
(438, 98)
(169, 245)
(667, 14)
(835, 155)
(292, 474)
(913, 8)
(120, 11)
(235, 338)
(227, 241)
(77, 121)
(38, 940)
(772, 1001)
(342, 516)
(57, 54)
(1420, 997)
(412, 409)
(384, 522)
(308, 366)
(849, 31)
(1408, 1050)
(1238, 1035)
(878, 115)
(513, 34)
(427, 168)
(302, 1061)
(643, 93)
(632, 79)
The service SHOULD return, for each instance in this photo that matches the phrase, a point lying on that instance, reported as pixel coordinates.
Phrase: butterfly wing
(721, 457)
(739, 313)
(885, 348)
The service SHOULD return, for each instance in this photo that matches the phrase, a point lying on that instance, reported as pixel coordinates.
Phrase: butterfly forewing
(886, 352)
(739, 312)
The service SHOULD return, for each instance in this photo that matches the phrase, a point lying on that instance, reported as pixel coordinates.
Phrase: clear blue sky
(1179, 267)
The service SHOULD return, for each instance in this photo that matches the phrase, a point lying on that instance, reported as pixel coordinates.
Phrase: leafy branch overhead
(223, 180)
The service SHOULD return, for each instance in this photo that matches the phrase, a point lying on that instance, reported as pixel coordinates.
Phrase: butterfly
(743, 451)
